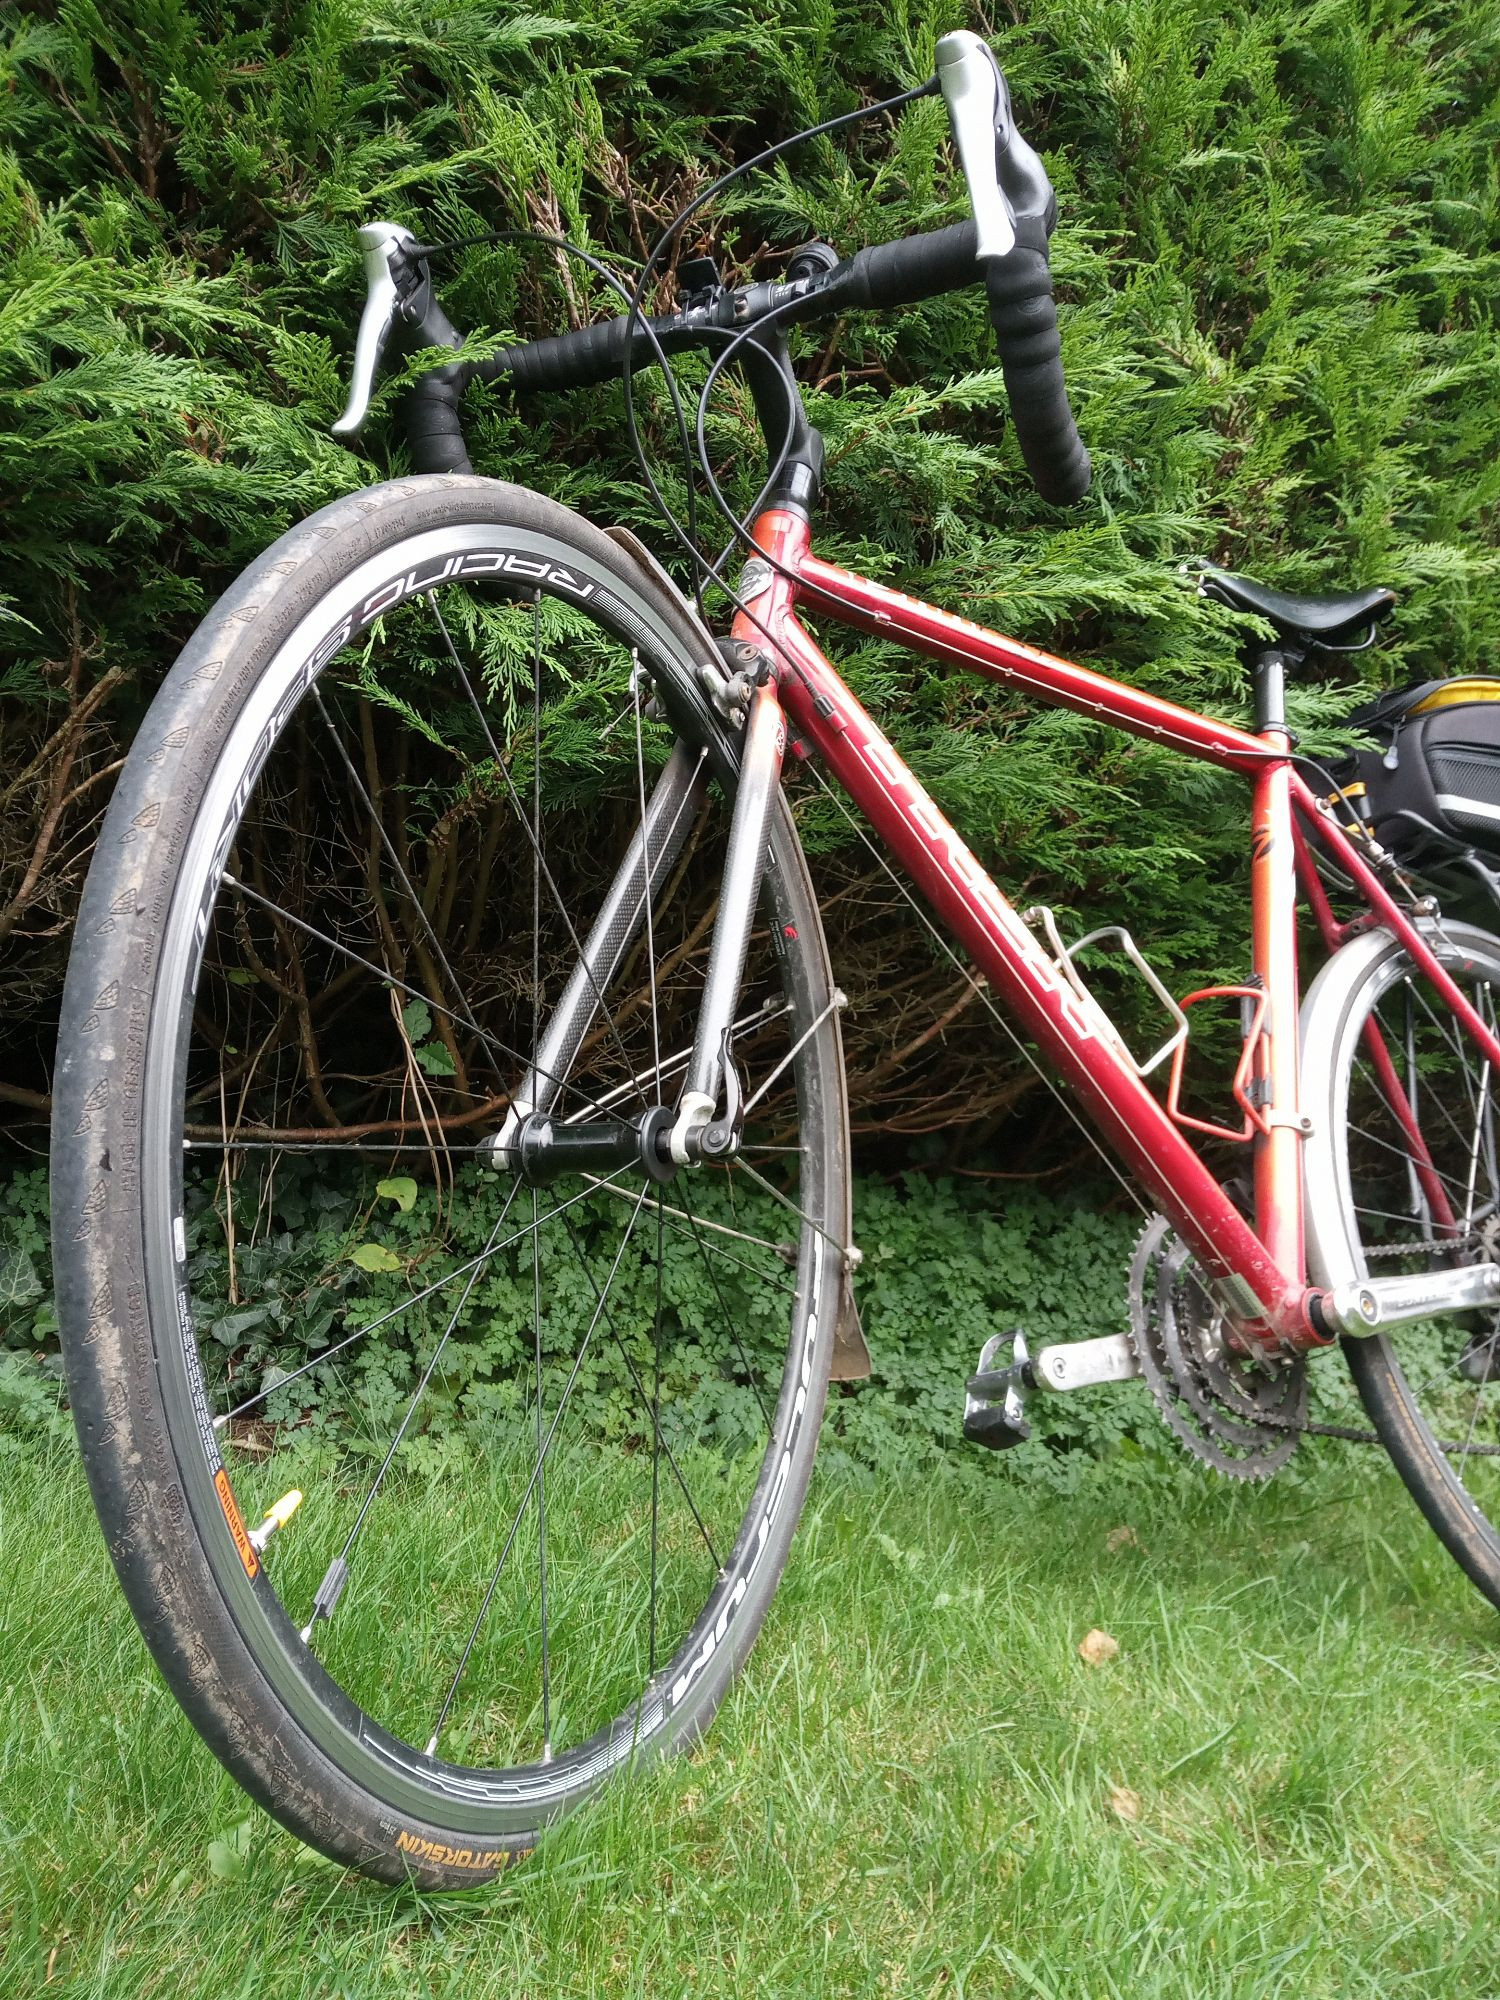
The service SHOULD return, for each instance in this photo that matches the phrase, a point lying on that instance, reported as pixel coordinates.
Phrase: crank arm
(1370, 1305)
(1084, 1364)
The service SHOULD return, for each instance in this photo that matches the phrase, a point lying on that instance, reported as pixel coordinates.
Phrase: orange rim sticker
(236, 1526)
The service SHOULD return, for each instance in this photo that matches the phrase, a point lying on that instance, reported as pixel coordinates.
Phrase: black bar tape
(1025, 323)
(430, 418)
(430, 414)
(560, 361)
(888, 274)
(907, 271)
(564, 360)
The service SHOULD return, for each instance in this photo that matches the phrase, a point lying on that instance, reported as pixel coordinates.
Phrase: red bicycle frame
(1259, 1272)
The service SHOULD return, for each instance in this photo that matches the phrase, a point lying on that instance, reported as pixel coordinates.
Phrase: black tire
(1367, 1216)
(142, 1391)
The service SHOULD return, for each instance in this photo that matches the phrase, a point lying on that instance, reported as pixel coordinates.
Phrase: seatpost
(1269, 674)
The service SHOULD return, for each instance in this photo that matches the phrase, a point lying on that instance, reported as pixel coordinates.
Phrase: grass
(1281, 1785)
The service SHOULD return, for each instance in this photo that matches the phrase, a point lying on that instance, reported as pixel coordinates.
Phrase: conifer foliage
(1279, 276)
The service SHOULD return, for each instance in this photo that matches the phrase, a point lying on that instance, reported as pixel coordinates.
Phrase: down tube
(1268, 1302)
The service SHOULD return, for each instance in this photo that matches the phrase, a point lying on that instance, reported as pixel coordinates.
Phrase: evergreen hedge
(1279, 275)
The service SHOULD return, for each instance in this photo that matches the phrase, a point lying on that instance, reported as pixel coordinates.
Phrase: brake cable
(670, 234)
(687, 535)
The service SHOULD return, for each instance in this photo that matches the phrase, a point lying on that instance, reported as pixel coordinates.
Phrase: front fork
(711, 1064)
(535, 1141)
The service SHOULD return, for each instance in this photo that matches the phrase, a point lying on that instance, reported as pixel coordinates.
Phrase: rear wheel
(1403, 1175)
(359, 894)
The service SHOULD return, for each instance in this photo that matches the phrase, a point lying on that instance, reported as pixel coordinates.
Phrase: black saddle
(1335, 619)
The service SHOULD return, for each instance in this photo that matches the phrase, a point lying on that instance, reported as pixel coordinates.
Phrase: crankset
(1242, 1415)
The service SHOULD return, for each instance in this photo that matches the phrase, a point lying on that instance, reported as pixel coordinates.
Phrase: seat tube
(1273, 898)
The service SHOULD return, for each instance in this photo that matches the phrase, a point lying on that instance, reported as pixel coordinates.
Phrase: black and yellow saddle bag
(1429, 789)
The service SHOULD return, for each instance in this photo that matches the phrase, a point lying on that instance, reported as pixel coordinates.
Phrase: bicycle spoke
(747, 1025)
(808, 1222)
(656, 1458)
(640, 772)
(729, 1320)
(781, 1251)
(1447, 1097)
(332, 1587)
(1484, 1090)
(659, 1443)
(1402, 1152)
(794, 1051)
(388, 844)
(542, 1454)
(401, 985)
(405, 1306)
(1407, 1217)
(536, 1253)
(1468, 1443)
(304, 1148)
(1448, 1031)
(503, 771)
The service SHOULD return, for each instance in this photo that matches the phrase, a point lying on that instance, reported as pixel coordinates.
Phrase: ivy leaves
(374, 1257)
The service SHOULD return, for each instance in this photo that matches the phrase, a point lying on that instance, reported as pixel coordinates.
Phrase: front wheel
(439, 1494)
(1403, 1175)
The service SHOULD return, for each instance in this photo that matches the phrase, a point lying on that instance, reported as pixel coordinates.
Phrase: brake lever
(386, 246)
(979, 111)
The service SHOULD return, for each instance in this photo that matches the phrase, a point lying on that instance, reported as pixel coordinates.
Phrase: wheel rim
(1415, 1184)
(618, 1574)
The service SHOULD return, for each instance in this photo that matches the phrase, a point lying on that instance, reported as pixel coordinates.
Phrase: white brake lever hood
(377, 239)
(979, 111)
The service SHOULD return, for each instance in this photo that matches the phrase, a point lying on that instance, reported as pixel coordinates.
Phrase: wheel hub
(540, 1150)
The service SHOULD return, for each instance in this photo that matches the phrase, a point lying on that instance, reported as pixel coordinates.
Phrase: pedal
(995, 1395)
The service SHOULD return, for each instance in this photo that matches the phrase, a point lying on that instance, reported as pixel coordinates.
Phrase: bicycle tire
(1364, 1216)
(287, 1731)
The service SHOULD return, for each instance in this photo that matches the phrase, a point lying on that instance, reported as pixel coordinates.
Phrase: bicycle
(350, 906)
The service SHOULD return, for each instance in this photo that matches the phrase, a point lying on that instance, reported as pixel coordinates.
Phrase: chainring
(1242, 1417)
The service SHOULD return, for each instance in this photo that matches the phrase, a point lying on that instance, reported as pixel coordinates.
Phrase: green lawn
(1282, 1784)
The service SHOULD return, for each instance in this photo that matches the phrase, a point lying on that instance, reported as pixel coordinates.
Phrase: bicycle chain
(1476, 1239)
